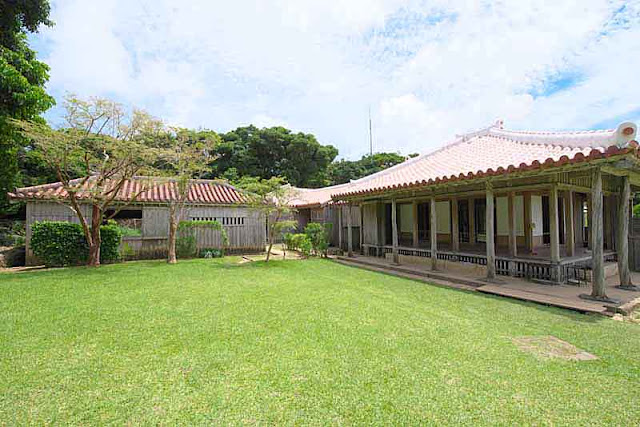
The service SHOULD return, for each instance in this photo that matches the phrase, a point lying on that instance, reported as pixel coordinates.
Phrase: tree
(271, 198)
(22, 80)
(344, 171)
(275, 151)
(110, 143)
(185, 157)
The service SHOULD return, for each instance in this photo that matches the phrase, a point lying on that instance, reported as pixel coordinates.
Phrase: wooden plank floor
(441, 278)
(542, 299)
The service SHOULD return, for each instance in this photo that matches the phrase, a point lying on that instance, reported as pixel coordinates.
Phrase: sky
(426, 70)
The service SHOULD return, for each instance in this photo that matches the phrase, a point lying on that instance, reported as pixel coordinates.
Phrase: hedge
(58, 243)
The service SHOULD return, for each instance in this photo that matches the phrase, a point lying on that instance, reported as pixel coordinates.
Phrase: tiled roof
(314, 197)
(159, 190)
(493, 151)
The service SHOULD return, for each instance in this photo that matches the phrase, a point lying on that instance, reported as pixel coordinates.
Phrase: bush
(110, 236)
(186, 246)
(57, 244)
(319, 237)
(211, 253)
(298, 242)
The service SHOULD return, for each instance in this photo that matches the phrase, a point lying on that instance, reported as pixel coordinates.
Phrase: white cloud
(427, 69)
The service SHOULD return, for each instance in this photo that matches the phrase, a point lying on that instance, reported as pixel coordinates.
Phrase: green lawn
(307, 342)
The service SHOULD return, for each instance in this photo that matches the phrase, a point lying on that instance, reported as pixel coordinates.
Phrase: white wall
(405, 212)
(502, 215)
(443, 217)
(536, 214)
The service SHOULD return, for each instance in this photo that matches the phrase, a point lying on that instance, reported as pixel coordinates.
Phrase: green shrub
(186, 245)
(298, 242)
(186, 242)
(57, 243)
(211, 253)
(318, 235)
(110, 236)
(129, 231)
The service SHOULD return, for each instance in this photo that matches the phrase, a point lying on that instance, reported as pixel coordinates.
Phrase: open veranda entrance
(563, 228)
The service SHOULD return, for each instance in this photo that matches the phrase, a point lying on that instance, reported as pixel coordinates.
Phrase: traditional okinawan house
(546, 206)
(316, 205)
(148, 214)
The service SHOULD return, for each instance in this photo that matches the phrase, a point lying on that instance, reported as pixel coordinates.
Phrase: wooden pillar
(472, 221)
(415, 224)
(623, 236)
(570, 226)
(589, 221)
(513, 242)
(434, 234)
(455, 228)
(528, 222)
(491, 249)
(349, 232)
(394, 231)
(553, 224)
(596, 239)
(340, 240)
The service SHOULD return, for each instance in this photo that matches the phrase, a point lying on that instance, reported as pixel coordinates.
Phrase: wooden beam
(415, 223)
(589, 220)
(570, 226)
(528, 225)
(491, 249)
(394, 231)
(554, 231)
(513, 242)
(597, 232)
(434, 234)
(349, 232)
(340, 241)
(455, 229)
(472, 220)
(623, 235)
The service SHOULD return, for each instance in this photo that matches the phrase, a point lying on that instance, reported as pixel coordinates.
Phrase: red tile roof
(495, 151)
(314, 197)
(205, 192)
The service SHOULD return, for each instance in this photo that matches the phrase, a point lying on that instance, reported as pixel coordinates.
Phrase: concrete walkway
(564, 296)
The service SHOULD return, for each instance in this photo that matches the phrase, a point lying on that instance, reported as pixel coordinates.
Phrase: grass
(313, 342)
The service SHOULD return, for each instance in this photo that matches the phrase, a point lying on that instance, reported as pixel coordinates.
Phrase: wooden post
(596, 239)
(570, 226)
(528, 226)
(394, 231)
(455, 228)
(491, 249)
(415, 224)
(513, 242)
(623, 236)
(472, 221)
(589, 221)
(553, 224)
(340, 207)
(434, 234)
(349, 232)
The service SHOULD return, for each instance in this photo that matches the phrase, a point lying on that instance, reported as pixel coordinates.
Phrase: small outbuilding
(147, 217)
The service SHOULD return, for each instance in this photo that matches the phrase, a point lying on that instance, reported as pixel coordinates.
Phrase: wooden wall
(245, 227)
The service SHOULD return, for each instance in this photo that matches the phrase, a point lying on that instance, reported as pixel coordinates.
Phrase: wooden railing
(572, 271)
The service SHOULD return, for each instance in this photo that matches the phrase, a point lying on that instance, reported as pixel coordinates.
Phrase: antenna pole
(370, 135)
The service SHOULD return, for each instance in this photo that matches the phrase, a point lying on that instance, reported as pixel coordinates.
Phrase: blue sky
(427, 69)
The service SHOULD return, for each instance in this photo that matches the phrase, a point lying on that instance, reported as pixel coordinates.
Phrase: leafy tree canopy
(269, 152)
(344, 171)
(22, 80)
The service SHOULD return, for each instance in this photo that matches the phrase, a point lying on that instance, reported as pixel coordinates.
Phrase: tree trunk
(173, 230)
(95, 240)
(271, 234)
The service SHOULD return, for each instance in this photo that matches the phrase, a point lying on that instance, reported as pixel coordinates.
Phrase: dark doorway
(463, 221)
(388, 230)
